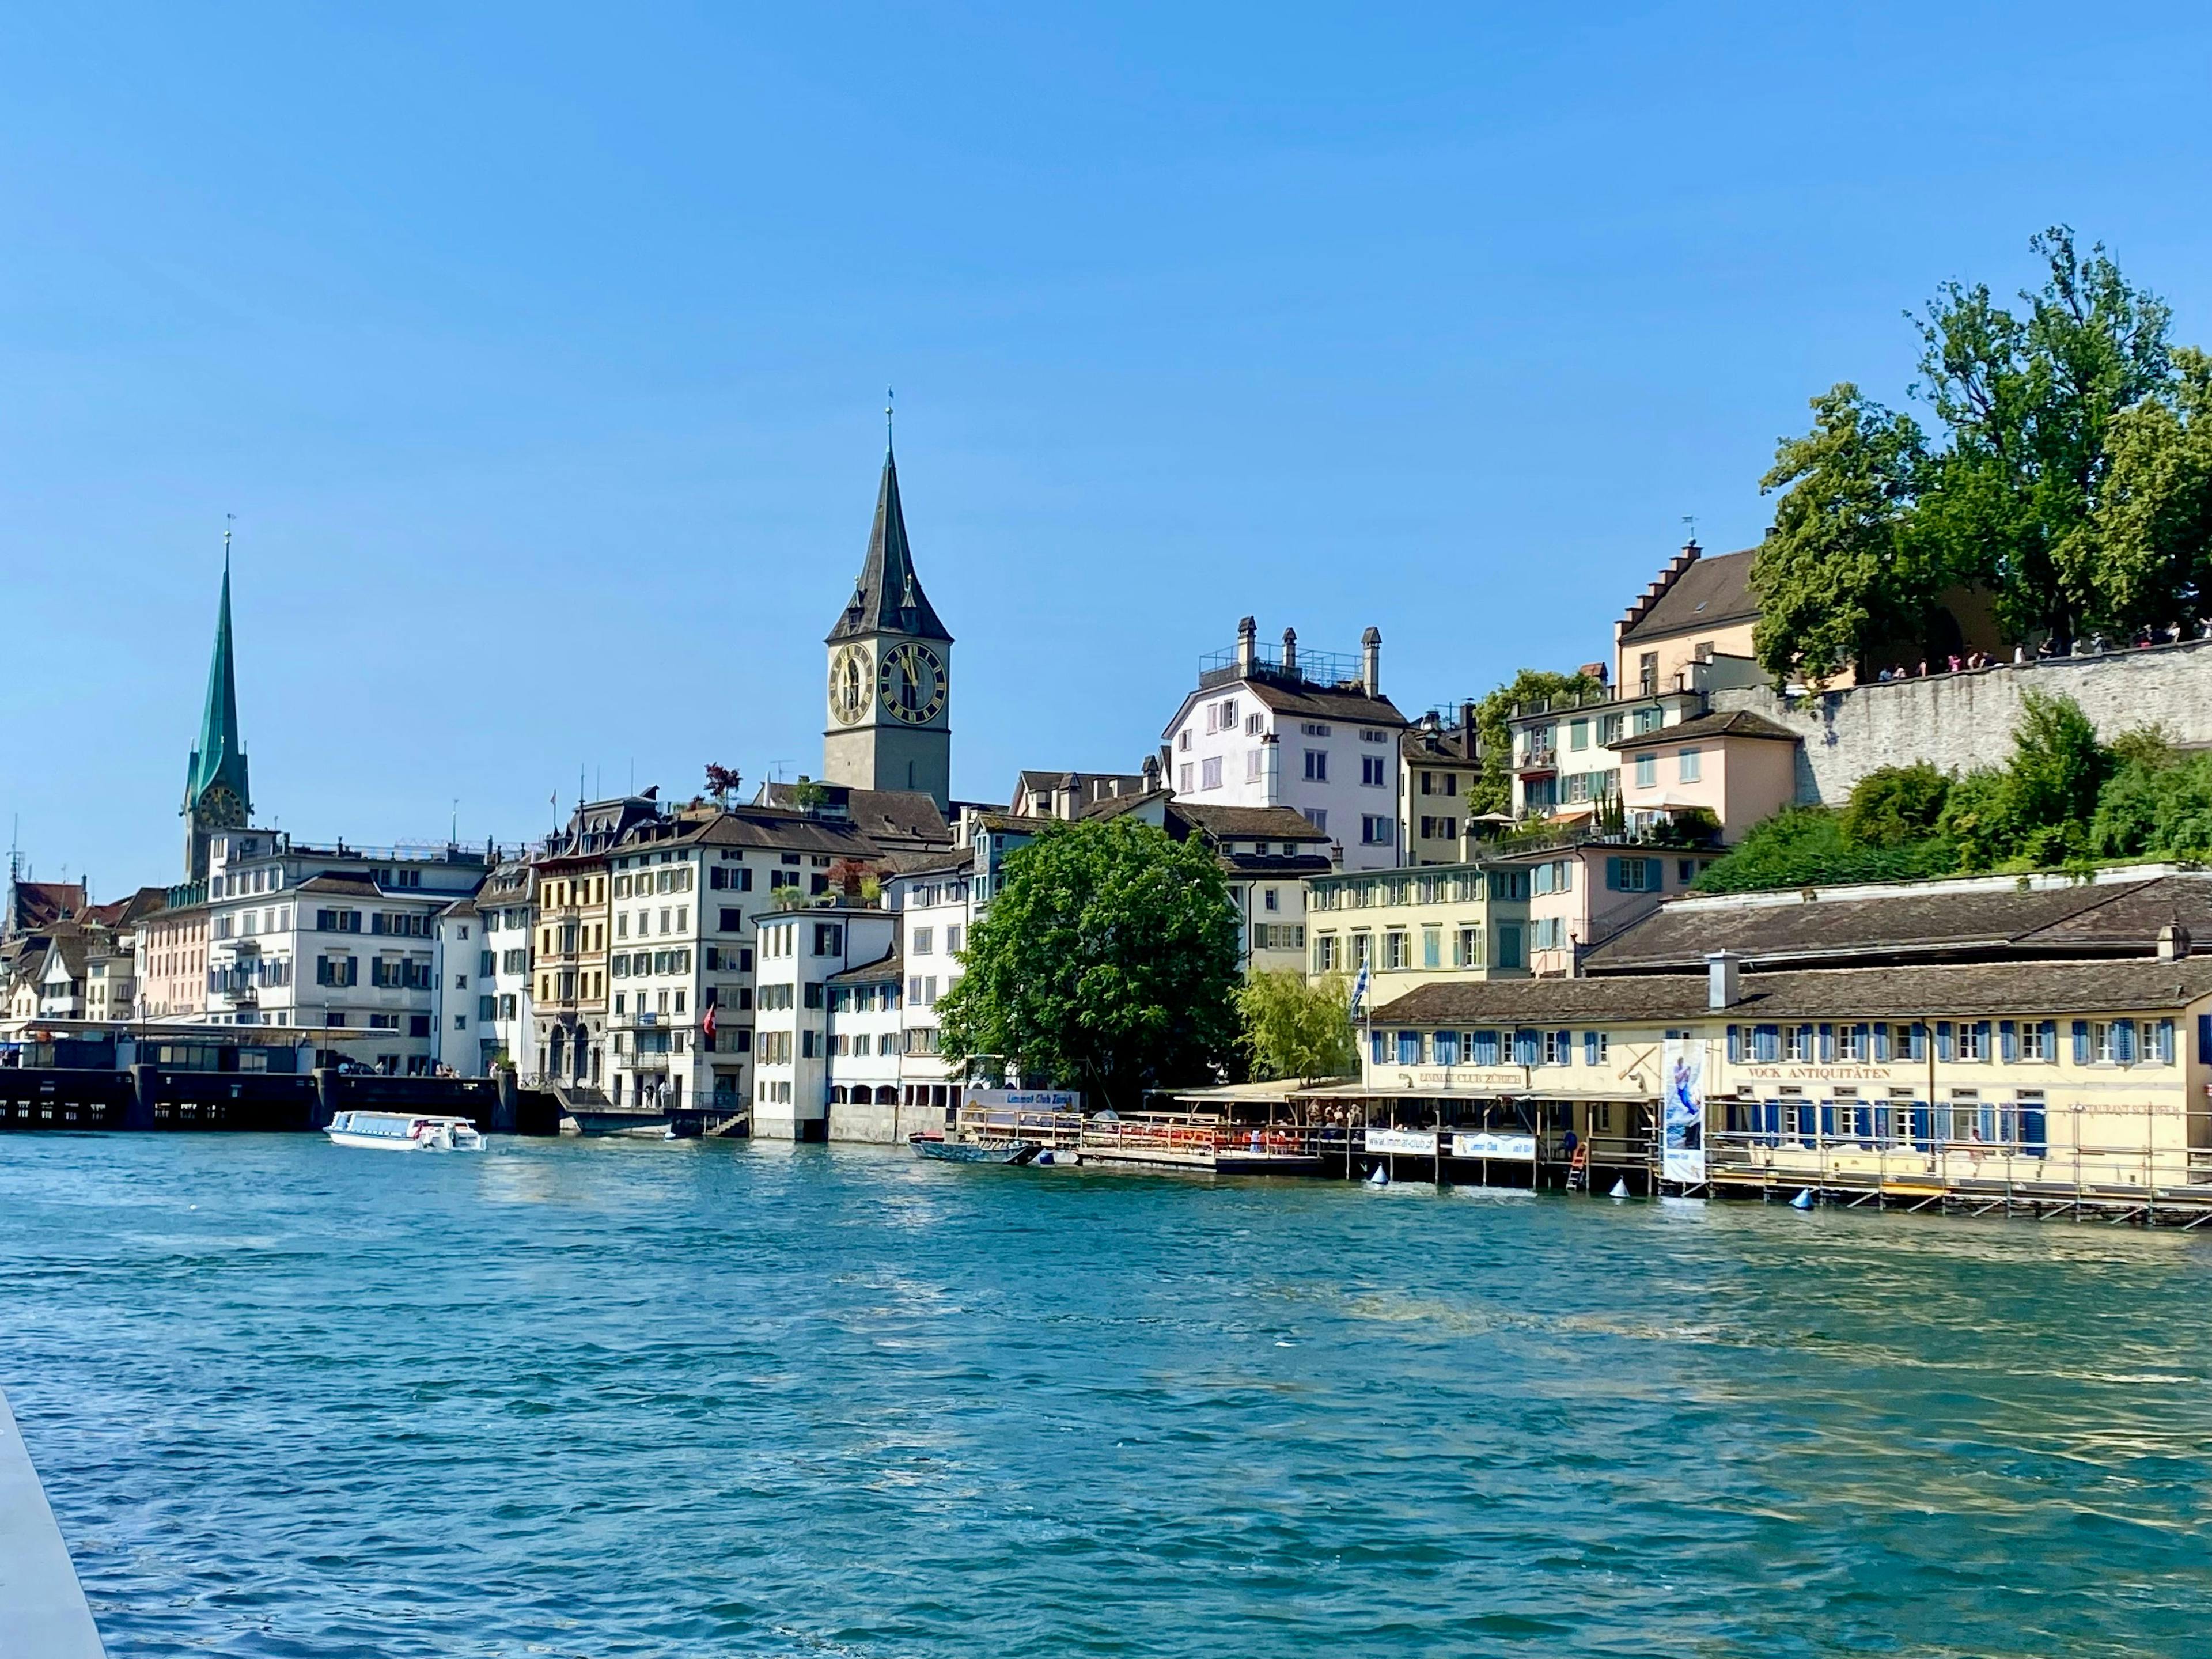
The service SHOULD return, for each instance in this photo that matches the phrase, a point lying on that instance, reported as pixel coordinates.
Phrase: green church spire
(220, 759)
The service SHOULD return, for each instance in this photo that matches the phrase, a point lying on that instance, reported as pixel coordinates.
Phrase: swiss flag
(706, 1024)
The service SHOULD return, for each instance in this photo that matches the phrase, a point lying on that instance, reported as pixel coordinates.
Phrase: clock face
(219, 810)
(850, 672)
(912, 683)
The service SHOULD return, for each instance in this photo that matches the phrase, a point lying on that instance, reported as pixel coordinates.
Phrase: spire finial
(228, 520)
(888, 400)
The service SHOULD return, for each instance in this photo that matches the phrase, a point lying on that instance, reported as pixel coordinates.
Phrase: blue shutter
(2034, 1138)
(1485, 1049)
(1920, 1135)
(1736, 1043)
(1881, 1042)
(2051, 1039)
(2124, 1042)
(1409, 1047)
(1944, 1047)
(2081, 1043)
(1766, 1043)
(1613, 874)
(2163, 1042)
(2204, 1039)
(1376, 1040)
(1589, 1048)
(1827, 1043)
(2008, 1040)
(1524, 1047)
(1981, 1048)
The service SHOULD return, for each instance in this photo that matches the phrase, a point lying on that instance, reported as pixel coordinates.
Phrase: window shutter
(2164, 1041)
(2081, 1043)
(1982, 1032)
(1376, 1040)
(1526, 1050)
(1613, 874)
(1881, 1042)
(2008, 1040)
(2051, 1039)
(2033, 1137)
(1589, 1048)
(1944, 1047)
(1736, 1043)
(1827, 1043)
(1766, 1043)
(2124, 1042)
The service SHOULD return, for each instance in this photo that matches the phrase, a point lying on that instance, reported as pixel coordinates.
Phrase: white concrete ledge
(43, 1614)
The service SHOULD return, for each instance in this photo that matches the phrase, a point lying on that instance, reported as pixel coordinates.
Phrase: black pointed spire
(888, 598)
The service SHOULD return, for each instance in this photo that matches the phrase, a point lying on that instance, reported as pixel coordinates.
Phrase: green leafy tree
(1840, 577)
(2154, 807)
(2028, 402)
(2057, 768)
(1806, 846)
(1493, 790)
(1895, 806)
(1108, 961)
(1297, 1028)
(2146, 556)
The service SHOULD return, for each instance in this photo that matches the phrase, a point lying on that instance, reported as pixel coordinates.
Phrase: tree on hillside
(1492, 790)
(1298, 1028)
(1108, 961)
(2152, 530)
(1840, 577)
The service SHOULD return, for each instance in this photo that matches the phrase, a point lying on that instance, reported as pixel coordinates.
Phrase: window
(1432, 947)
(1363, 949)
(1548, 933)
(1798, 1045)
(1624, 875)
(1689, 765)
(1375, 830)
(1444, 1047)
(1313, 728)
(1186, 776)
(1316, 816)
(1466, 948)
(1324, 953)
(828, 939)
(1316, 766)
(1394, 950)
(1973, 1040)
(1578, 734)
(1556, 876)
(1597, 1048)
(1409, 1047)
(1182, 740)
(1509, 944)
(925, 940)
(1647, 672)
(1370, 771)
(952, 939)
(1255, 725)
(1647, 771)
(336, 970)
(1209, 773)
(1253, 762)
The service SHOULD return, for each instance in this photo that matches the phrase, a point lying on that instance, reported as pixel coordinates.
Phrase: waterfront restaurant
(2039, 1083)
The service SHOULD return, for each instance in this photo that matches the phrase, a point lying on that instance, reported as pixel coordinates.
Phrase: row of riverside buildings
(1545, 995)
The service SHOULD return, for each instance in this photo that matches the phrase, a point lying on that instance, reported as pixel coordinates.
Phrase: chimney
(2172, 943)
(1152, 770)
(1289, 651)
(1271, 767)
(1724, 978)
(1371, 662)
(1247, 644)
(1467, 747)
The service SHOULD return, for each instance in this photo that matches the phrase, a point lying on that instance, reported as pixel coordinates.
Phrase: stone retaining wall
(1960, 721)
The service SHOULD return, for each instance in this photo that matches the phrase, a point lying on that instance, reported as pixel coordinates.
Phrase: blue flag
(1359, 989)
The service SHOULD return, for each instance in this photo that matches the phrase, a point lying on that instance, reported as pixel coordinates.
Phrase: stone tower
(215, 792)
(891, 670)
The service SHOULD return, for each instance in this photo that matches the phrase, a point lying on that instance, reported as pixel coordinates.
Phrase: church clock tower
(891, 670)
(215, 793)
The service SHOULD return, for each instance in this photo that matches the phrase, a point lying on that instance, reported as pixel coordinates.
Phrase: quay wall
(42, 1607)
(153, 1097)
(1960, 721)
(878, 1125)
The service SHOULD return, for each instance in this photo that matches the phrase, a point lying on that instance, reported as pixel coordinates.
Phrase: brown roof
(1450, 745)
(890, 966)
(891, 814)
(41, 903)
(1327, 702)
(1710, 593)
(342, 886)
(1740, 724)
(1946, 990)
(1913, 920)
(1249, 822)
(766, 827)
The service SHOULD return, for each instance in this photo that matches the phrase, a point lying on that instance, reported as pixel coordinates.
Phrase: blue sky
(541, 354)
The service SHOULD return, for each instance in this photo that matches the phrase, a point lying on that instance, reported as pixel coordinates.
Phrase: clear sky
(541, 354)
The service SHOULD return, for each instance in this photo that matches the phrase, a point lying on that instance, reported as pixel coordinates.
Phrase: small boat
(403, 1132)
(974, 1152)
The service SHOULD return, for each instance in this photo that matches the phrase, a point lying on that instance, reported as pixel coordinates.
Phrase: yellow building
(1418, 927)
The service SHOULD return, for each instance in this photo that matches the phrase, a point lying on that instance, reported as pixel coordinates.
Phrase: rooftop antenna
(1690, 522)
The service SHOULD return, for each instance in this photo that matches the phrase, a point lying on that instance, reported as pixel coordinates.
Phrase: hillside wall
(1959, 722)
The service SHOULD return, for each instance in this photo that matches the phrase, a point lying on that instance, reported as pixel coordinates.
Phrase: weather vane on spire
(228, 520)
(887, 417)
(1690, 521)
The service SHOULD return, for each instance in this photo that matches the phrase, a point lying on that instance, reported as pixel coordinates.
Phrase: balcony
(1538, 758)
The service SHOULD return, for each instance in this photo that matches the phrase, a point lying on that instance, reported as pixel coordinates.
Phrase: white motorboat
(404, 1131)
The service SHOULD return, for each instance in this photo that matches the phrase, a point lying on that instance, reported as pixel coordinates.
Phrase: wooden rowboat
(974, 1152)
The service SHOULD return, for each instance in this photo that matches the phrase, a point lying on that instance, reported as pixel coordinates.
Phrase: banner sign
(1682, 1108)
(1490, 1144)
(1420, 1143)
(1025, 1100)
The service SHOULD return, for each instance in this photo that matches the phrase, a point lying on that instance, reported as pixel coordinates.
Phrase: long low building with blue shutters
(2041, 1082)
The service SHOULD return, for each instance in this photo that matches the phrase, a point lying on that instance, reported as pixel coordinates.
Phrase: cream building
(1412, 927)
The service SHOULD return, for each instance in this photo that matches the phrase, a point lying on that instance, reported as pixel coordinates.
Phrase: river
(712, 1398)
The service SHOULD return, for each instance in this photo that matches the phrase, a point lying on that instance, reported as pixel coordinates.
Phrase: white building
(1309, 734)
(507, 910)
(332, 938)
(799, 953)
(867, 1044)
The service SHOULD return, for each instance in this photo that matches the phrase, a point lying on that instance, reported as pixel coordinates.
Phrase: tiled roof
(1249, 822)
(890, 814)
(1451, 745)
(1327, 702)
(1740, 724)
(1947, 990)
(1984, 917)
(892, 967)
(340, 886)
(1711, 592)
(39, 903)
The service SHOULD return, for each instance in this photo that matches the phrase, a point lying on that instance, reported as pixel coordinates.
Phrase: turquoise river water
(570, 1399)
